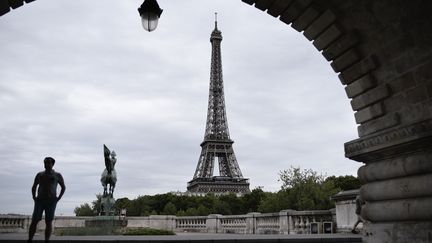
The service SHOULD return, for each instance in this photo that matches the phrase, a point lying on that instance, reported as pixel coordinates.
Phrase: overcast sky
(75, 75)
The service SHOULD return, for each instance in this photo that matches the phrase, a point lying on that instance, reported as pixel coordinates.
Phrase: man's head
(49, 163)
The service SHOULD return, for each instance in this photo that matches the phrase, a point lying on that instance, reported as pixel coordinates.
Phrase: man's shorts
(48, 206)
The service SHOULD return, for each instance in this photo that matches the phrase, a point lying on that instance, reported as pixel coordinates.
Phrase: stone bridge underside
(382, 51)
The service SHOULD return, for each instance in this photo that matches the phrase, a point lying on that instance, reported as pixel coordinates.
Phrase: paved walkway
(194, 238)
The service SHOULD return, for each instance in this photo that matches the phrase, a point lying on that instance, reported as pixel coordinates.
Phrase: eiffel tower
(217, 144)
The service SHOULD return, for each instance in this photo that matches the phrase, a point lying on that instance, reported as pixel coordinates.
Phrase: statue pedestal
(105, 225)
(107, 205)
(106, 221)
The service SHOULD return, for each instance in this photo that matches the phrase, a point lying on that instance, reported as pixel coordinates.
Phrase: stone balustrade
(284, 222)
(191, 224)
(14, 223)
(234, 224)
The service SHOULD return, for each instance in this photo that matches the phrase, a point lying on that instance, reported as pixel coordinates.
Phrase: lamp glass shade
(149, 21)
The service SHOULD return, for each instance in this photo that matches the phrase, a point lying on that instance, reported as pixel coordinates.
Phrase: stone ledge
(345, 195)
(391, 143)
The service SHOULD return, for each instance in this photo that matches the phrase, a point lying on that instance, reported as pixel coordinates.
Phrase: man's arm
(35, 184)
(63, 187)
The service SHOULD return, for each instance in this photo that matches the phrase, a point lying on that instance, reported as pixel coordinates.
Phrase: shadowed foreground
(225, 238)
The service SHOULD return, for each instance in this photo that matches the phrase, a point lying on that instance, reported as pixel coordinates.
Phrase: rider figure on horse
(109, 174)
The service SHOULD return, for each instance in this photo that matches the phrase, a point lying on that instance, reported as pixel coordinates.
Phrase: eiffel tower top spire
(215, 20)
(216, 34)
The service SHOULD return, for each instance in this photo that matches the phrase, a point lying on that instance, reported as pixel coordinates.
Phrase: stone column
(284, 222)
(345, 210)
(251, 223)
(164, 222)
(398, 183)
(213, 223)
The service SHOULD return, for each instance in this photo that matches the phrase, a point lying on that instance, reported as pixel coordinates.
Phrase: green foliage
(306, 189)
(300, 190)
(84, 210)
(169, 209)
(274, 202)
(87, 210)
(96, 204)
(252, 201)
(345, 183)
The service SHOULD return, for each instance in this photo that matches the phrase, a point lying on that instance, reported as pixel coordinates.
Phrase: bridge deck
(194, 238)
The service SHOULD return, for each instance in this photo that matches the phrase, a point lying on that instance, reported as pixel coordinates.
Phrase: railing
(191, 224)
(300, 221)
(13, 223)
(233, 224)
(284, 222)
(267, 223)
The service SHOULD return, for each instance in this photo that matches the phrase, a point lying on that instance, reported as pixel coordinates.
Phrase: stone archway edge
(7, 5)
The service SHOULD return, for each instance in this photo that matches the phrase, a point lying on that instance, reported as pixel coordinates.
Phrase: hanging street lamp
(150, 13)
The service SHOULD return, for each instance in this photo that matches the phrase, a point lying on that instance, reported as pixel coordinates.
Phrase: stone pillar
(398, 183)
(164, 222)
(345, 210)
(284, 223)
(251, 223)
(213, 223)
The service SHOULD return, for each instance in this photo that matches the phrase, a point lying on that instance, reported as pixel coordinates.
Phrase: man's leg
(36, 217)
(48, 230)
(49, 217)
(32, 230)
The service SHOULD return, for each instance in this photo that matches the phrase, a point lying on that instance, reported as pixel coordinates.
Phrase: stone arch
(7, 5)
(382, 52)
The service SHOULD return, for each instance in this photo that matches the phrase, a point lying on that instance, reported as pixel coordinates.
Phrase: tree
(307, 190)
(344, 183)
(252, 200)
(191, 212)
(274, 202)
(203, 210)
(84, 210)
(96, 204)
(122, 203)
(169, 209)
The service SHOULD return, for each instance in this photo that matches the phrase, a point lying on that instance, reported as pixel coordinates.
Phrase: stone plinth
(345, 210)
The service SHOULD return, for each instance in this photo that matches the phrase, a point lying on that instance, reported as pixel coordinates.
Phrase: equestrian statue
(109, 175)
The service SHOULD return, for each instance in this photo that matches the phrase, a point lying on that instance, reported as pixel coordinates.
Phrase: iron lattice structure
(217, 144)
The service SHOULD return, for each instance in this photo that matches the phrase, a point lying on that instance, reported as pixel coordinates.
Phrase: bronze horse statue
(109, 175)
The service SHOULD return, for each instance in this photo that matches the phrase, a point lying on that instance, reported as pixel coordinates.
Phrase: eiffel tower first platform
(217, 145)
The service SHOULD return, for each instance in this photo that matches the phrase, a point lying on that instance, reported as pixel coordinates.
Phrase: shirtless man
(46, 198)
